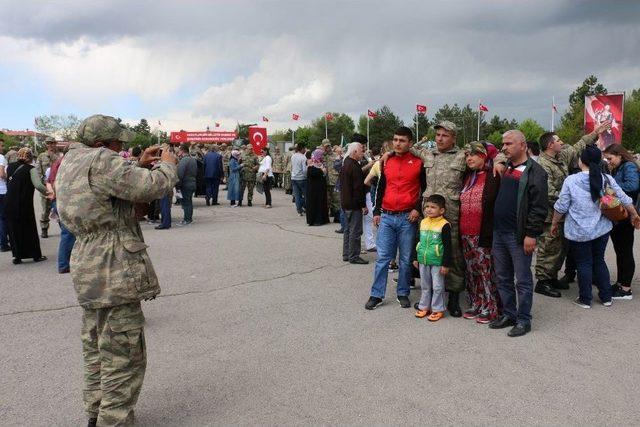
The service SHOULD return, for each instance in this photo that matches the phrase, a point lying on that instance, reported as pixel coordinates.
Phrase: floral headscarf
(235, 154)
(317, 157)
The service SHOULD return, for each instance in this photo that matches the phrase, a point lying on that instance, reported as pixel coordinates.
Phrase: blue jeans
(299, 190)
(165, 211)
(591, 268)
(509, 260)
(395, 234)
(343, 220)
(67, 240)
(211, 189)
(4, 231)
(187, 203)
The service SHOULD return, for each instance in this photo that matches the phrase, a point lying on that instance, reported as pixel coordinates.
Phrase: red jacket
(401, 184)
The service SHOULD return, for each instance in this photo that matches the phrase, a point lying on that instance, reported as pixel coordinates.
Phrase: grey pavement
(261, 323)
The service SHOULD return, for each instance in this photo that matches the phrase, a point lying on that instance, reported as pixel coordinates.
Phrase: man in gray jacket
(187, 171)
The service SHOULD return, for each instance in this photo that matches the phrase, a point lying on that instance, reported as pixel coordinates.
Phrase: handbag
(610, 205)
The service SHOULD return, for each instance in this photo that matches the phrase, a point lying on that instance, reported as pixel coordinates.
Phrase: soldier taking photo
(110, 267)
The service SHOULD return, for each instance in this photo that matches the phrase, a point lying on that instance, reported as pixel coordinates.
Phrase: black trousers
(622, 238)
(267, 190)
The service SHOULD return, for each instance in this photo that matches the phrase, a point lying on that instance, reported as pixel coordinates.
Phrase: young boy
(433, 258)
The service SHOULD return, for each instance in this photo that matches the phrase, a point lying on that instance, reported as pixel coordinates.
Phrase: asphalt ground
(261, 323)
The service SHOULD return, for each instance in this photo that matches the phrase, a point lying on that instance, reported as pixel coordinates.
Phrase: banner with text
(210, 137)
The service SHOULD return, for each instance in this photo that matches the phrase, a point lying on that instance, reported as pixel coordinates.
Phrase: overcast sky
(191, 63)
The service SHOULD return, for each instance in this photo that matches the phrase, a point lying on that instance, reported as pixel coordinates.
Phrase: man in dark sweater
(518, 220)
(187, 171)
(352, 197)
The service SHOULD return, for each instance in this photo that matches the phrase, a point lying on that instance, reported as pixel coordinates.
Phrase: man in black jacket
(352, 198)
(519, 214)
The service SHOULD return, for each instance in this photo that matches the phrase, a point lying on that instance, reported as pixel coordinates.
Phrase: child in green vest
(433, 258)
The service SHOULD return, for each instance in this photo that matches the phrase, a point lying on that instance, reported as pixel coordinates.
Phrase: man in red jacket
(396, 213)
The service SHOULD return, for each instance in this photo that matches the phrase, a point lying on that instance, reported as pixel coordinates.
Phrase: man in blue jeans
(518, 220)
(299, 177)
(396, 213)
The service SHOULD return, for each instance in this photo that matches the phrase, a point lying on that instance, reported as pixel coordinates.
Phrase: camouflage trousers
(115, 360)
(249, 185)
(551, 253)
(46, 210)
(334, 199)
(287, 181)
(454, 281)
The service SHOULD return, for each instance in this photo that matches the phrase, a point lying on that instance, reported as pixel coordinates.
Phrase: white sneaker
(607, 304)
(580, 304)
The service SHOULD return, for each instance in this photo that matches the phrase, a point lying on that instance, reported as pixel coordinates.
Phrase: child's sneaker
(422, 313)
(471, 313)
(435, 316)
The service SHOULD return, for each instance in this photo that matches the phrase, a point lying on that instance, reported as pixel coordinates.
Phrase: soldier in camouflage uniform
(44, 161)
(250, 165)
(333, 197)
(226, 154)
(445, 166)
(110, 267)
(555, 159)
(278, 167)
(287, 171)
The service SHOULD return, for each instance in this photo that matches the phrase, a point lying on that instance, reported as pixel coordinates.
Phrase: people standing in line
(278, 168)
(44, 162)
(4, 232)
(233, 180)
(352, 197)
(266, 171)
(586, 228)
(250, 165)
(477, 201)
(316, 197)
(551, 249)
(625, 171)
(433, 258)
(518, 220)
(213, 172)
(396, 213)
(22, 180)
(299, 178)
(445, 166)
(187, 172)
(111, 270)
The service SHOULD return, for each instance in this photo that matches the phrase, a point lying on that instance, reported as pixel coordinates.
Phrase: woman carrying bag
(583, 199)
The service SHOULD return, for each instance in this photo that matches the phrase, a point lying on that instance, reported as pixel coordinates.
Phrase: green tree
(424, 125)
(531, 129)
(142, 128)
(572, 123)
(340, 125)
(381, 128)
(495, 138)
(466, 118)
(307, 136)
(60, 126)
(631, 122)
(9, 141)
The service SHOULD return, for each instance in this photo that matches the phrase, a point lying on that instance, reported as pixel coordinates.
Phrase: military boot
(453, 306)
(92, 422)
(249, 203)
(45, 233)
(544, 287)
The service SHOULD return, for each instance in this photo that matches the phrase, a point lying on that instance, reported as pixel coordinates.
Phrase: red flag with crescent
(483, 107)
(329, 116)
(265, 119)
(371, 114)
(421, 109)
(295, 116)
(258, 138)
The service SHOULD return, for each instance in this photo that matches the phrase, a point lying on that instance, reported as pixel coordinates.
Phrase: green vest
(430, 248)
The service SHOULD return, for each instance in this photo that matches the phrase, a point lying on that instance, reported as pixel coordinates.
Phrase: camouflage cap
(50, 140)
(447, 125)
(326, 142)
(99, 128)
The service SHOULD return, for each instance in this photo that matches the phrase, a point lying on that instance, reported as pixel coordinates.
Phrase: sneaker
(485, 317)
(373, 303)
(393, 266)
(422, 313)
(580, 303)
(435, 316)
(607, 303)
(471, 313)
(404, 301)
(619, 293)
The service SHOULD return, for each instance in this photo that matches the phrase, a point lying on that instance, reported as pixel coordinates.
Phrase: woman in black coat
(316, 196)
(22, 179)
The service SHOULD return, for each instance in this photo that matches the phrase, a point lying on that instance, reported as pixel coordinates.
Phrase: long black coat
(19, 213)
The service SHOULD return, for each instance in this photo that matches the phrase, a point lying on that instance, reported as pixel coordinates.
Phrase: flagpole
(367, 129)
(553, 112)
(478, 120)
(417, 130)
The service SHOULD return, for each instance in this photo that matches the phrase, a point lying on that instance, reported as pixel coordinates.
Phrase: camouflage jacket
(250, 166)
(287, 161)
(44, 161)
(96, 192)
(278, 163)
(332, 173)
(225, 159)
(557, 168)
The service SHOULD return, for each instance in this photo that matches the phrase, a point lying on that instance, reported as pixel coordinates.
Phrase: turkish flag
(422, 109)
(258, 138)
(482, 107)
(264, 119)
(217, 124)
(329, 116)
(295, 116)
(371, 114)
(178, 137)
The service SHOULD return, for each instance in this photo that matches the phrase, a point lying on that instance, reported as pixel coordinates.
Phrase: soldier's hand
(168, 157)
(604, 126)
(498, 169)
(149, 156)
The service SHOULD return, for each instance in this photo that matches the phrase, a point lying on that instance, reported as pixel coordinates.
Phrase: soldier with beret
(110, 267)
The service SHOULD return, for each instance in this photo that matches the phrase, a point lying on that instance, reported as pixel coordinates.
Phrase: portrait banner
(601, 108)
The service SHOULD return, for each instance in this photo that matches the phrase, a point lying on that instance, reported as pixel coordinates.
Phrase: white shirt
(265, 166)
(3, 182)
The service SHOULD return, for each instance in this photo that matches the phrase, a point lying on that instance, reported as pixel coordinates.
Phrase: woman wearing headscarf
(477, 198)
(625, 171)
(266, 173)
(316, 195)
(22, 179)
(233, 181)
(585, 227)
